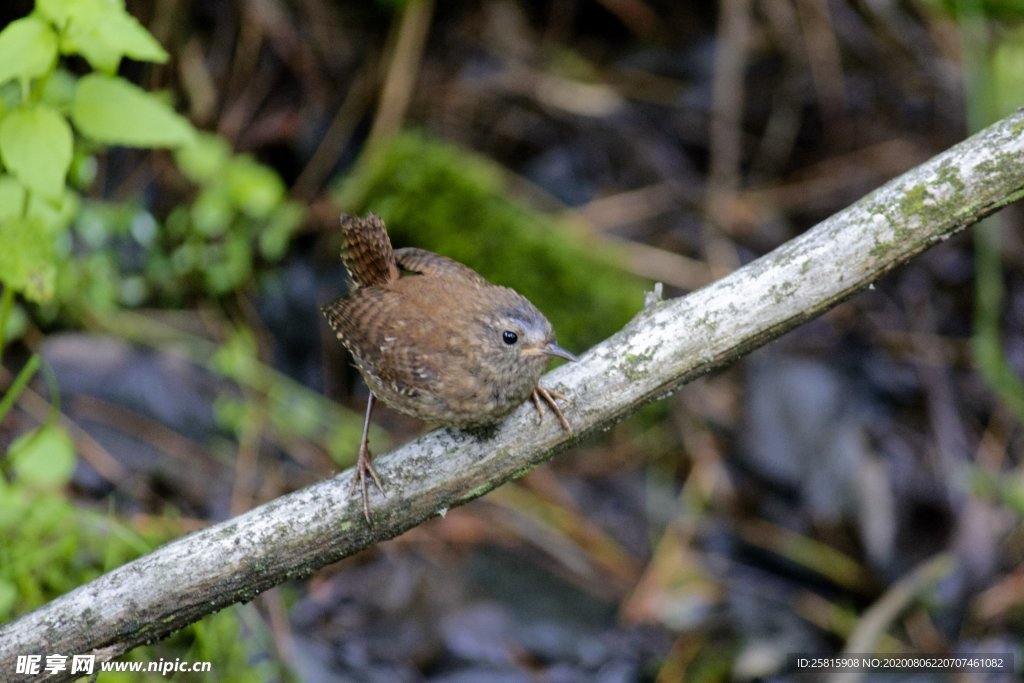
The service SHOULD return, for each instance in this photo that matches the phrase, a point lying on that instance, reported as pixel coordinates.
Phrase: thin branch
(666, 345)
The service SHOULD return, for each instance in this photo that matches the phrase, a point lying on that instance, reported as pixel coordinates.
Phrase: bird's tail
(366, 251)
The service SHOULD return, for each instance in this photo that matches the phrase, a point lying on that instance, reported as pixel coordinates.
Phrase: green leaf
(237, 358)
(102, 32)
(55, 216)
(17, 325)
(58, 89)
(112, 111)
(254, 188)
(27, 260)
(211, 213)
(61, 12)
(124, 32)
(285, 219)
(44, 457)
(204, 160)
(35, 144)
(12, 198)
(28, 48)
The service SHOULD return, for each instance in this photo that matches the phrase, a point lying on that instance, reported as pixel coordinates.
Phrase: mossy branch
(666, 345)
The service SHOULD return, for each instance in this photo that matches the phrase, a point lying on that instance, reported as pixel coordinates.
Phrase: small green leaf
(204, 160)
(61, 12)
(102, 32)
(58, 89)
(27, 259)
(17, 324)
(124, 32)
(227, 264)
(56, 216)
(111, 110)
(229, 413)
(28, 48)
(237, 358)
(84, 168)
(35, 144)
(254, 188)
(285, 219)
(12, 198)
(211, 213)
(101, 56)
(44, 457)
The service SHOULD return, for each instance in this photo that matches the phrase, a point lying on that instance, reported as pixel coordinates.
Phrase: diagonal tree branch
(666, 345)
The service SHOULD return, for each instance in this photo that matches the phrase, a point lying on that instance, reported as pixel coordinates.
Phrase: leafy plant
(68, 255)
(51, 126)
(39, 103)
(51, 546)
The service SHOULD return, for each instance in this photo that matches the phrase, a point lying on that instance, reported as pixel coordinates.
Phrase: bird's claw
(365, 471)
(542, 395)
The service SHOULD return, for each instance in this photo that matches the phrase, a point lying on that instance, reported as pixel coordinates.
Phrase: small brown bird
(440, 343)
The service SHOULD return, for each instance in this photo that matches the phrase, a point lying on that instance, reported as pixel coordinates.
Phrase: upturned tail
(366, 251)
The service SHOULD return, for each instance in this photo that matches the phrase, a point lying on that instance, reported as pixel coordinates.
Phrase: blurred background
(857, 484)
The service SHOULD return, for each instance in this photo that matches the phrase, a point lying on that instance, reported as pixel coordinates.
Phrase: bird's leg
(548, 396)
(363, 465)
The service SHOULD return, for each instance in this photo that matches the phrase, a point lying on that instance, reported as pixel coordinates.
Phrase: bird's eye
(509, 337)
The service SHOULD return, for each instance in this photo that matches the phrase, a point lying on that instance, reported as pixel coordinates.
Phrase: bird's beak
(553, 349)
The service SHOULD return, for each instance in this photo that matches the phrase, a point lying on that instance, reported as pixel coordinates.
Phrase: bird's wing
(428, 263)
(379, 338)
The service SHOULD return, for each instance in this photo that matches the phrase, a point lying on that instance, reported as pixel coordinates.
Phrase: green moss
(634, 365)
(949, 174)
(488, 487)
(880, 248)
(781, 292)
(438, 197)
(913, 201)
(1018, 128)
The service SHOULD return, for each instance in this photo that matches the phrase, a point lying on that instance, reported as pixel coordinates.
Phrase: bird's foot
(542, 395)
(365, 471)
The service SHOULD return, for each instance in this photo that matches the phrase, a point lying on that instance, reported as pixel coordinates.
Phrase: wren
(439, 342)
